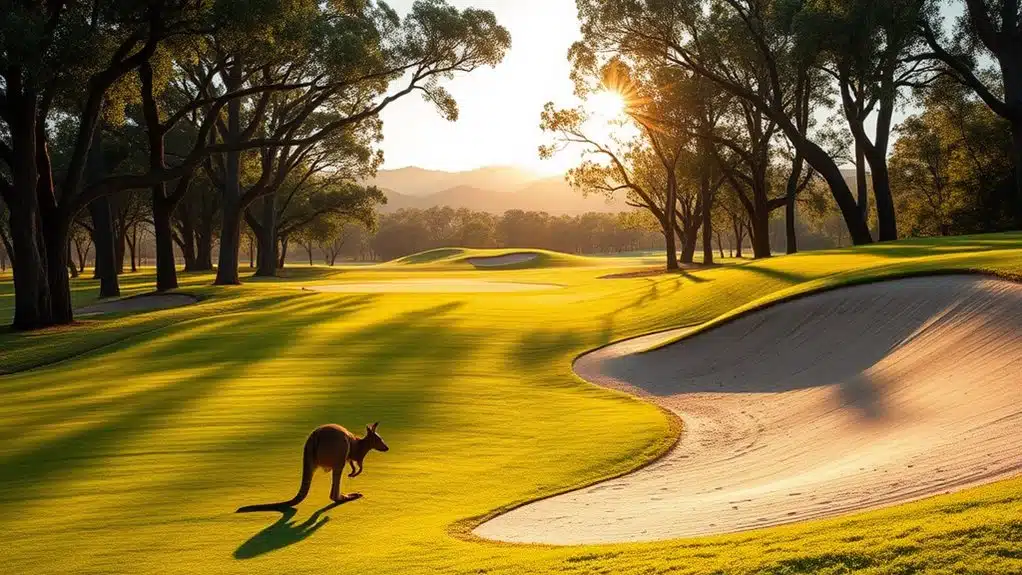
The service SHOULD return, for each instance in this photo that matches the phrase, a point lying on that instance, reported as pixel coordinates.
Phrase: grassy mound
(454, 258)
(131, 455)
(428, 256)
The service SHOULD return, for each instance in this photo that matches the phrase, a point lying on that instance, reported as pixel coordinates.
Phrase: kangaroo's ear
(375, 425)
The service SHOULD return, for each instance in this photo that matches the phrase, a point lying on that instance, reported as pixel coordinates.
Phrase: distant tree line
(408, 231)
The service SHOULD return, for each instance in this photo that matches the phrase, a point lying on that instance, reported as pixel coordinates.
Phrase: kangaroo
(331, 447)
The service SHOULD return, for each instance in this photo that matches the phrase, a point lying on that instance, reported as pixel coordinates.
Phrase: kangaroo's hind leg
(335, 488)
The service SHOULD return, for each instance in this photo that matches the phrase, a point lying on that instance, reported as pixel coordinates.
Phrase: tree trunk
(31, 290)
(56, 238)
(308, 249)
(821, 161)
(739, 237)
(230, 232)
(761, 236)
(230, 237)
(790, 240)
(671, 217)
(119, 244)
(706, 214)
(103, 239)
(166, 267)
(1016, 156)
(82, 256)
(861, 188)
(204, 247)
(886, 218)
(268, 263)
(132, 244)
(187, 238)
(282, 256)
(760, 220)
(790, 197)
(720, 245)
(688, 243)
(71, 268)
(8, 250)
(102, 223)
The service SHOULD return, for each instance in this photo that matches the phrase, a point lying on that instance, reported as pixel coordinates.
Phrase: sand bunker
(852, 399)
(504, 260)
(145, 302)
(444, 285)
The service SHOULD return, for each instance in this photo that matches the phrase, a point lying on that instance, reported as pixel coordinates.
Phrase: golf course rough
(131, 454)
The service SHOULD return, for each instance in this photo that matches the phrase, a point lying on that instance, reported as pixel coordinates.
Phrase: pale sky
(499, 107)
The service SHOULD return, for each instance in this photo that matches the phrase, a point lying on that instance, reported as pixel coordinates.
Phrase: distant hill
(505, 189)
(413, 181)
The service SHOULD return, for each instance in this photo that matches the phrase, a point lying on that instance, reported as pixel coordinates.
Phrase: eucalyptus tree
(305, 207)
(610, 167)
(356, 60)
(67, 59)
(989, 30)
(870, 49)
(740, 45)
(61, 59)
(745, 150)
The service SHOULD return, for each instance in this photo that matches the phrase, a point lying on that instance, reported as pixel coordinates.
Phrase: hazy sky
(499, 107)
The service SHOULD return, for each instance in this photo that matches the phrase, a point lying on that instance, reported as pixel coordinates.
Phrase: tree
(59, 58)
(739, 45)
(989, 28)
(744, 150)
(869, 49)
(631, 167)
(347, 88)
(82, 241)
(952, 166)
(64, 63)
(313, 213)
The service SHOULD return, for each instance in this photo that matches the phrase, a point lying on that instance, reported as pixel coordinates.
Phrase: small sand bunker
(504, 260)
(852, 399)
(438, 285)
(145, 302)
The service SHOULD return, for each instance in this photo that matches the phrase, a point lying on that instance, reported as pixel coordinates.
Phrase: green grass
(455, 258)
(132, 457)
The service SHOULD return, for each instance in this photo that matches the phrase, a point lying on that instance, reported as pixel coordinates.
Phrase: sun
(606, 104)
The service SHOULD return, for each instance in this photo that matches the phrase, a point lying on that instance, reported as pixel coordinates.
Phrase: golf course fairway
(128, 440)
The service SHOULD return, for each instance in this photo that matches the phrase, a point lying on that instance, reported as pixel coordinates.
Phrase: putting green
(131, 456)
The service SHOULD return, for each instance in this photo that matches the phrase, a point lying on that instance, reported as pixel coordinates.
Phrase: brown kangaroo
(330, 446)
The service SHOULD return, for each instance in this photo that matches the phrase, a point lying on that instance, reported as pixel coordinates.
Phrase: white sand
(504, 260)
(433, 285)
(146, 302)
(852, 399)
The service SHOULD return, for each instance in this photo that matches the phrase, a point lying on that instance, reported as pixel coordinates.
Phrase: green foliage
(951, 167)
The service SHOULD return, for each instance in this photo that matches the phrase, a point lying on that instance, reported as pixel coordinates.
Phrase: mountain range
(494, 189)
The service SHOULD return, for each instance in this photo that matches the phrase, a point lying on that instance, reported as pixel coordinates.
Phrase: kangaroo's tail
(308, 466)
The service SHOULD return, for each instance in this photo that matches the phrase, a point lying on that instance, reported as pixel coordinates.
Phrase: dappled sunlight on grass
(132, 455)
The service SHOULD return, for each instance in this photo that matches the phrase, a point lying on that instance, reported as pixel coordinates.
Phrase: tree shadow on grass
(284, 532)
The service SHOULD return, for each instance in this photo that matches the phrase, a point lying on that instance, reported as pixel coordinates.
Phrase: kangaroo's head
(374, 439)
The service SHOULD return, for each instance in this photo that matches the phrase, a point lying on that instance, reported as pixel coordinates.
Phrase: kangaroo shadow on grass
(284, 532)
